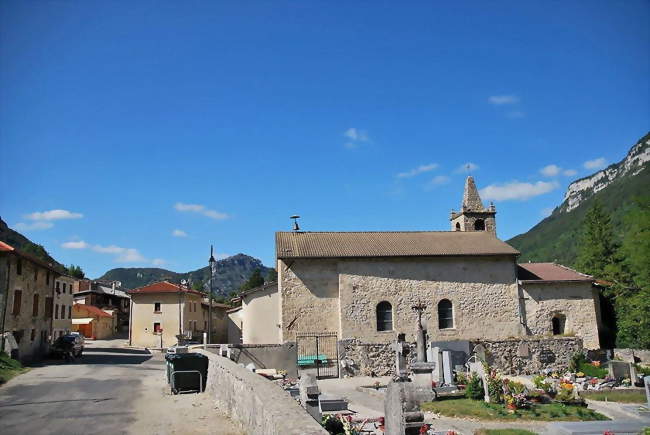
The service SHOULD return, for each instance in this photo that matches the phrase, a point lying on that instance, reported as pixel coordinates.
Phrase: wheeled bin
(187, 372)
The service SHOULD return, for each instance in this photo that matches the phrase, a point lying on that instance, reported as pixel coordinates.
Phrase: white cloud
(356, 134)
(466, 168)
(122, 255)
(569, 172)
(550, 170)
(356, 137)
(53, 215)
(517, 191)
(35, 226)
(598, 163)
(75, 245)
(201, 209)
(436, 181)
(158, 262)
(179, 233)
(419, 170)
(499, 100)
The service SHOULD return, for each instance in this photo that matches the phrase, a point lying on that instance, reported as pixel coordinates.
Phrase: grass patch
(491, 411)
(9, 368)
(593, 371)
(504, 432)
(622, 396)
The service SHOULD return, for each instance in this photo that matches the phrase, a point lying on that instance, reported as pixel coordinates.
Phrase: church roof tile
(388, 244)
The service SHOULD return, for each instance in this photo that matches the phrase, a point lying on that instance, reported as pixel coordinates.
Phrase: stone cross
(401, 349)
(420, 307)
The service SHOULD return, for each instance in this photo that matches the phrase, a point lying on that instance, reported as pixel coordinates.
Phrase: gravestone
(546, 356)
(309, 393)
(522, 350)
(448, 374)
(477, 367)
(646, 382)
(480, 352)
(621, 369)
(402, 409)
(402, 351)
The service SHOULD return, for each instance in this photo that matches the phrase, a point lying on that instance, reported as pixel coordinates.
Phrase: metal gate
(318, 352)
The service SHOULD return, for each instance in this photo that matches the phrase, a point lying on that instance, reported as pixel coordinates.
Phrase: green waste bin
(187, 372)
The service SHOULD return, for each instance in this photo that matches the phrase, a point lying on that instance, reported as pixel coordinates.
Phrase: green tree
(76, 272)
(255, 280)
(632, 290)
(597, 248)
(272, 276)
(199, 287)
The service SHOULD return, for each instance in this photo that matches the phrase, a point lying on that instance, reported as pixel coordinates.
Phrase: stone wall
(366, 358)
(309, 296)
(529, 355)
(576, 301)
(267, 356)
(483, 291)
(257, 404)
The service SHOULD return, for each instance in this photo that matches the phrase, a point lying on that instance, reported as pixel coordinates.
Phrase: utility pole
(213, 271)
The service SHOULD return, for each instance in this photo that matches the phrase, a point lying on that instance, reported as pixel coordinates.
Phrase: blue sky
(143, 131)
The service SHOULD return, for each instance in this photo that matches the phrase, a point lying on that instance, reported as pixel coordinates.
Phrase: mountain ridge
(556, 237)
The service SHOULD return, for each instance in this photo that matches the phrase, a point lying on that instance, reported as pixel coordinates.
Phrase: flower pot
(511, 407)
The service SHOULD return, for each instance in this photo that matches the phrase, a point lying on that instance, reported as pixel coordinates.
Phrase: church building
(362, 285)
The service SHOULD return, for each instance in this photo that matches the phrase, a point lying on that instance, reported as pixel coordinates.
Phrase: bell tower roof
(471, 199)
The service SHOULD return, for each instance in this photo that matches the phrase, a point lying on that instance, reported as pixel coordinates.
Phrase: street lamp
(213, 268)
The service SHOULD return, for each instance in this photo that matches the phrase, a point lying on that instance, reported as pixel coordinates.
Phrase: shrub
(474, 389)
(516, 387)
(576, 361)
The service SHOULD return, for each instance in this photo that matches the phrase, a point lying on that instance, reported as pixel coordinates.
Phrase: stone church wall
(576, 301)
(309, 293)
(529, 355)
(483, 292)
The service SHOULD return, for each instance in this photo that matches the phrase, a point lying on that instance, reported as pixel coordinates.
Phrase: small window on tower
(457, 226)
(479, 225)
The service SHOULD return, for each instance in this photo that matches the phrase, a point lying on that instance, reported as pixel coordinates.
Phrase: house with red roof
(92, 322)
(26, 303)
(163, 311)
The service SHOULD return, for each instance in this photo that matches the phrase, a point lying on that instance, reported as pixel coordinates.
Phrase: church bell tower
(472, 215)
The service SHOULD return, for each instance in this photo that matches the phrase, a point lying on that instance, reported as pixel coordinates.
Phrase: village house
(92, 322)
(361, 287)
(63, 301)
(108, 296)
(162, 311)
(257, 319)
(26, 305)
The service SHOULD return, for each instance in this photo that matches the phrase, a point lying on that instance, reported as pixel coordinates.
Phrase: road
(111, 389)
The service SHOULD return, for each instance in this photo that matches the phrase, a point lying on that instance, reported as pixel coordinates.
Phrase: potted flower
(511, 403)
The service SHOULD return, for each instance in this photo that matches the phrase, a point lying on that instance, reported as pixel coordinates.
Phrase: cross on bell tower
(473, 216)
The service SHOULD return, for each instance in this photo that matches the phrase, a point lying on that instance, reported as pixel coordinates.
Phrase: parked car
(68, 346)
(79, 334)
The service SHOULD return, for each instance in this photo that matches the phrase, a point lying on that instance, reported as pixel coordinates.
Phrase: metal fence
(318, 352)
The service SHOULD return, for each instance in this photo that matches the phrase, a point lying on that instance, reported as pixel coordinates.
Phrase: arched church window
(457, 226)
(479, 225)
(445, 314)
(559, 323)
(384, 316)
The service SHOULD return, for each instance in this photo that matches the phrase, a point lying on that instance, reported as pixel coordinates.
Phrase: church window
(479, 225)
(384, 316)
(445, 314)
(558, 322)
(457, 226)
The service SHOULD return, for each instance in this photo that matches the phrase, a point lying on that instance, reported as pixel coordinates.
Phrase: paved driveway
(111, 389)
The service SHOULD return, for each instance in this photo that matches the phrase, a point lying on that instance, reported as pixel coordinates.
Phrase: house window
(384, 316)
(35, 274)
(156, 328)
(63, 311)
(18, 298)
(205, 325)
(558, 322)
(19, 267)
(69, 311)
(47, 278)
(33, 334)
(35, 306)
(64, 286)
(48, 307)
(58, 287)
(479, 225)
(56, 311)
(445, 314)
(156, 307)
